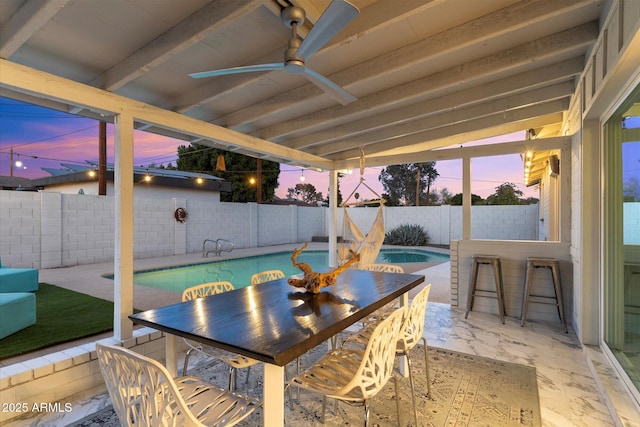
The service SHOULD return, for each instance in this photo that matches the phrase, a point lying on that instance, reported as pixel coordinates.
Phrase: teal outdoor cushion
(18, 280)
(17, 311)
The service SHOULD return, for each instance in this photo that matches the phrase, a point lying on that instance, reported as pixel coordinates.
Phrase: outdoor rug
(466, 390)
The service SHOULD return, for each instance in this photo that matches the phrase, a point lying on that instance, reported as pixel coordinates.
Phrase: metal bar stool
(494, 261)
(554, 265)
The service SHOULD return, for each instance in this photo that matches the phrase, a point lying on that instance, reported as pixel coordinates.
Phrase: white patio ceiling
(427, 74)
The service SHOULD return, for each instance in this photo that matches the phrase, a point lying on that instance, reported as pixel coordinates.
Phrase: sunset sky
(46, 138)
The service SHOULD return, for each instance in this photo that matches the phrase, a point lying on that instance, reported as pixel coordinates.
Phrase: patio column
(466, 198)
(123, 256)
(333, 217)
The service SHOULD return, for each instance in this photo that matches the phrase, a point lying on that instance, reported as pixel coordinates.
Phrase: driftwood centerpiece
(314, 281)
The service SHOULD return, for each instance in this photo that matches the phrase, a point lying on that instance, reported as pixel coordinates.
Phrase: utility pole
(259, 182)
(418, 186)
(11, 161)
(102, 158)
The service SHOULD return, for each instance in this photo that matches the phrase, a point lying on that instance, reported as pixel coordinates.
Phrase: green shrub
(407, 235)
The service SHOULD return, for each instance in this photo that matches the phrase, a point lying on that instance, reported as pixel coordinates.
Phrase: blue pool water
(238, 271)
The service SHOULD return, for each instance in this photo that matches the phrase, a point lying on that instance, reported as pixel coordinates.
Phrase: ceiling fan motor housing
(292, 15)
(292, 62)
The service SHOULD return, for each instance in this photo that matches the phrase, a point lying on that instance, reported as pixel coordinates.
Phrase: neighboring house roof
(75, 173)
(288, 201)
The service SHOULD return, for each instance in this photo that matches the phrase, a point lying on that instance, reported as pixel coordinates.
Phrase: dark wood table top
(274, 322)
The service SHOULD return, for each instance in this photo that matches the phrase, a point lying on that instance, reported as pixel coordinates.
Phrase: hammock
(368, 246)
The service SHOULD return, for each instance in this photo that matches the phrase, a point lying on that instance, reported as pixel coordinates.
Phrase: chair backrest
(206, 289)
(266, 276)
(142, 391)
(386, 268)
(413, 325)
(377, 362)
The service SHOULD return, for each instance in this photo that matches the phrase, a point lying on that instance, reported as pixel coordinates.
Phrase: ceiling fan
(337, 15)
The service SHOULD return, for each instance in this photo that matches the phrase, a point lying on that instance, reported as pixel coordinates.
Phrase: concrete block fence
(50, 229)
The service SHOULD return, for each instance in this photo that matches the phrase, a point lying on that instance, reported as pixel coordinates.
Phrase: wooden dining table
(276, 323)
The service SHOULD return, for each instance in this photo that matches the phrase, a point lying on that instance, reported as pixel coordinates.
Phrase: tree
(390, 201)
(506, 194)
(328, 199)
(631, 190)
(457, 200)
(305, 192)
(431, 174)
(444, 196)
(401, 181)
(239, 168)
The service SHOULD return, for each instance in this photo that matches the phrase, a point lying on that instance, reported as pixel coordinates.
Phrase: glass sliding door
(621, 154)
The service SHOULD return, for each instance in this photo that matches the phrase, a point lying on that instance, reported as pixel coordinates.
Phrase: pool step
(324, 239)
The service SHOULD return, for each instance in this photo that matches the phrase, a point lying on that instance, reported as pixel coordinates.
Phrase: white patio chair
(386, 268)
(411, 333)
(144, 394)
(356, 375)
(266, 276)
(388, 308)
(235, 361)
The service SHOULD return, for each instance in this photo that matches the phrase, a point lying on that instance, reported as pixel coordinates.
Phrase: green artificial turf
(61, 315)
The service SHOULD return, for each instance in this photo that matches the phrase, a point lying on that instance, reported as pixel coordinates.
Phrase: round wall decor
(180, 215)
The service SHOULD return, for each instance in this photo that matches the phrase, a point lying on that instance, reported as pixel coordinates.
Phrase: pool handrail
(219, 247)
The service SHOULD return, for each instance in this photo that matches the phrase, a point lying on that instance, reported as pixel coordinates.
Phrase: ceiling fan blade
(238, 70)
(331, 89)
(337, 15)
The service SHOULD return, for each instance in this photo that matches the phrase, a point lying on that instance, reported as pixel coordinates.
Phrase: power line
(56, 136)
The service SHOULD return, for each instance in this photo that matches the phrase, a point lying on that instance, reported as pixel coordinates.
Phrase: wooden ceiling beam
(19, 78)
(26, 22)
(477, 151)
(546, 51)
(451, 118)
(377, 17)
(565, 71)
(422, 52)
(406, 143)
(214, 16)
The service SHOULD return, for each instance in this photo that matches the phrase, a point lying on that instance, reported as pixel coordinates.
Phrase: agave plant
(407, 235)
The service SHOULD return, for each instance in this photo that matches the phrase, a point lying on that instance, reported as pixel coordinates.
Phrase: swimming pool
(238, 271)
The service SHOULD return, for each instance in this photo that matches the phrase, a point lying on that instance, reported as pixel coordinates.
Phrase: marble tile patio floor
(569, 392)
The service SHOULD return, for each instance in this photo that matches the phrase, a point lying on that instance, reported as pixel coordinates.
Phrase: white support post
(273, 395)
(466, 198)
(123, 256)
(171, 354)
(333, 218)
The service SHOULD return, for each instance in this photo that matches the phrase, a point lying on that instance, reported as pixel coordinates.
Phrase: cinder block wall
(49, 230)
